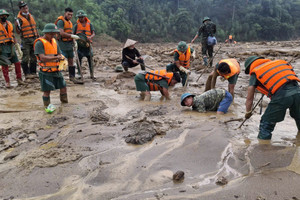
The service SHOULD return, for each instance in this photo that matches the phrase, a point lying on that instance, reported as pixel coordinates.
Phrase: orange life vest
(28, 28)
(233, 65)
(151, 77)
(184, 58)
(50, 50)
(6, 36)
(84, 29)
(272, 74)
(68, 28)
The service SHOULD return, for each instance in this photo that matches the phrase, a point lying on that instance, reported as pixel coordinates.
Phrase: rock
(11, 155)
(221, 181)
(178, 176)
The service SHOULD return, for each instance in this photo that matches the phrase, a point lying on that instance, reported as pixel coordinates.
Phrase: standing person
(7, 49)
(48, 55)
(66, 41)
(84, 26)
(207, 29)
(26, 27)
(182, 59)
(154, 81)
(228, 69)
(278, 81)
(213, 100)
(131, 57)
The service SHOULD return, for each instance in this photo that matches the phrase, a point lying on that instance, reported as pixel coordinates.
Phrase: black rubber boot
(64, 98)
(72, 75)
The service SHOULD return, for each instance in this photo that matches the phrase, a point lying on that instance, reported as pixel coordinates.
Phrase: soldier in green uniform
(26, 27)
(207, 29)
(66, 41)
(85, 27)
(213, 100)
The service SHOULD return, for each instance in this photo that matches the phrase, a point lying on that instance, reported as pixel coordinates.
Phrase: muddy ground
(107, 144)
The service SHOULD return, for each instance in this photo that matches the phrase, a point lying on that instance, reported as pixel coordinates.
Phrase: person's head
(175, 79)
(81, 15)
(182, 46)
(224, 68)
(68, 13)
(249, 61)
(206, 19)
(23, 8)
(50, 30)
(187, 99)
(3, 15)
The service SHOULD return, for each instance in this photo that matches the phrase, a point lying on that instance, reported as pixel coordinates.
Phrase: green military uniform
(207, 29)
(49, 80)
(208, 101)
(141, 83)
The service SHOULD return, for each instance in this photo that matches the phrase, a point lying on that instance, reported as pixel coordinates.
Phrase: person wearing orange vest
(7, 49)
(230, 40)
(182, 59)
(277, 80)
(155, 80)
(228, 69)
(84, 26)
(48, 55)
(66, 41)
(26, 27)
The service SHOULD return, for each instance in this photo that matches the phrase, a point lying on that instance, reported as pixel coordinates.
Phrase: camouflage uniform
(208, 101)
(207, 29)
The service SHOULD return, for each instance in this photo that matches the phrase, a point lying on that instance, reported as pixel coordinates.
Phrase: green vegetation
(173, 20)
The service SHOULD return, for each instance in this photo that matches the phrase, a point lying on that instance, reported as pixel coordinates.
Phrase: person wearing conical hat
(131, 57)
(48, 54)
(85, 27)
(207, 29)
(7, 49)
(26, 27)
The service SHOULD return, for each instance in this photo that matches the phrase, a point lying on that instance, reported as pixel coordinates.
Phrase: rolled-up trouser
(173, 68)
(276, 111)
(225, 103)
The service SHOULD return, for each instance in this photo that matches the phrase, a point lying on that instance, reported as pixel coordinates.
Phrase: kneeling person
(154, 81)
(48, 55)
(213, 100)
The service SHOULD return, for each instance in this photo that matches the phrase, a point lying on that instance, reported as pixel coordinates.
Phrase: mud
(107, 144)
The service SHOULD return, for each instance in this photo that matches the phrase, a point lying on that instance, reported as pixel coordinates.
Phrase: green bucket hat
(81, 13)
(182, 46)
(3, 12)
(205, 19)
(22, 4)
(184, 96)
(249, 61)
(119, 68)
(50, 28)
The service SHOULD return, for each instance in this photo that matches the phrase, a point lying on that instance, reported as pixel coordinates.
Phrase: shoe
(21, 82)
(7, 84)
(76, 81)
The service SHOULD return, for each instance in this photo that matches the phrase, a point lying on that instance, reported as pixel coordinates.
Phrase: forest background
(174, 20)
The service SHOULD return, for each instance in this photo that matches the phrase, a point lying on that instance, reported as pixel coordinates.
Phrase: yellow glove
(248, 114)
(184, 70)
(63, 64)
(18, 48)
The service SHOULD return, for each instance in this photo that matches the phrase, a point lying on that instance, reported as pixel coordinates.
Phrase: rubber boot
(147, 97)
(46, 101)
(91, 66)
(205, 61)
(64, 98)
(142, 95)
(33, 70)
(72, 75)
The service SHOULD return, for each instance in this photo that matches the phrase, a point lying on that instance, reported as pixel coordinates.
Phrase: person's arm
(231, 89)
(50, 58)
(18, 31)
(196, 36)
(60, 26)
(215, 75)
(92, 32)
(250, 98)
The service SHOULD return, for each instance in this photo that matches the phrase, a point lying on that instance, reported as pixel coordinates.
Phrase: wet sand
(80, 151)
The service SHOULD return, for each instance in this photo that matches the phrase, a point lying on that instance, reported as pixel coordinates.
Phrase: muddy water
(79, 151)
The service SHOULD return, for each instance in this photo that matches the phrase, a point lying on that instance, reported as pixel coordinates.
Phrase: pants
(86, 52)
(207, 50)
(173, 68)
(127, 64)
(28, 56)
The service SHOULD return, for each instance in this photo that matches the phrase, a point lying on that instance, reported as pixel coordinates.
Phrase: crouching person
(48, 55)
(155, 80)
(213, 100)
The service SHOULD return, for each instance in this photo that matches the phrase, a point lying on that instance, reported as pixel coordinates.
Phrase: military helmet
(3, 12)
(50, 28)
(119, 68)
(22, 4)
(81, 13)
(182, 46)
(249, 61)
(185, 95)
(205, 19)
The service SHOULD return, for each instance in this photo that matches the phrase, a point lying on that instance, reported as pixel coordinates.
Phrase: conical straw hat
(129, 42)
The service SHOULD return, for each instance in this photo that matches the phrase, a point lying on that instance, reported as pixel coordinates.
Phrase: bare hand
(135, 62)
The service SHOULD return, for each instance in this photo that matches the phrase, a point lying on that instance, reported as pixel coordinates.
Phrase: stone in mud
(178, 176)
(56, 120)
(221, 181)
(98, 115)
(260, 198)
(126, 75)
